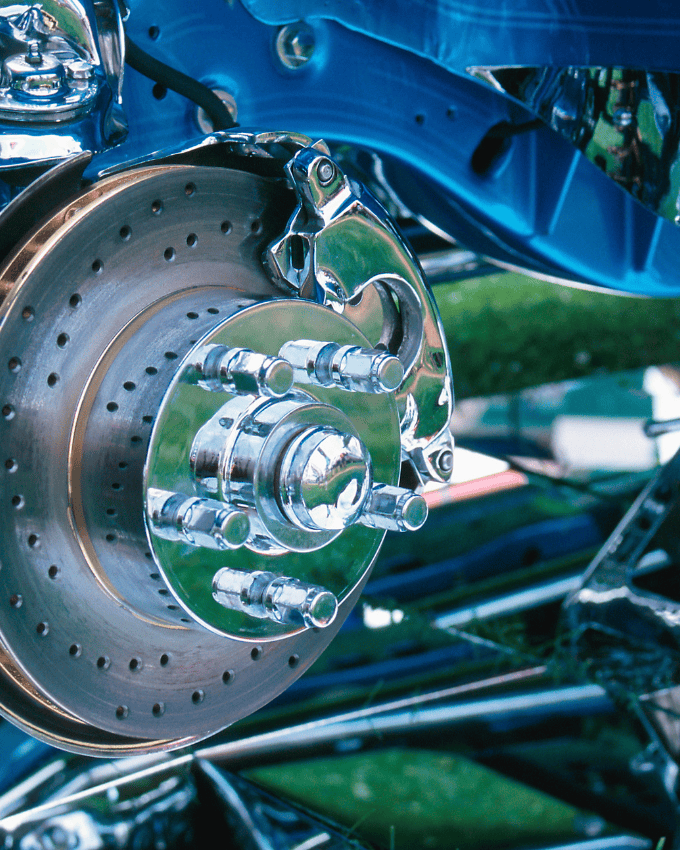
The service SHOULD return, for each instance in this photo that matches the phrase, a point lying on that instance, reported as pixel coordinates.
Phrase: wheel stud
(219, 368)
(267, 596)
(349, 367)
(199, 522)
(394, 509)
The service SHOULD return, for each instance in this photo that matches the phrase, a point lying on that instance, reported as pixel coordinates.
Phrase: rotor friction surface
(178, 241)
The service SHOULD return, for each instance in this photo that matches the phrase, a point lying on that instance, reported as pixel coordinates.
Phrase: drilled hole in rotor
(97, 267)
(103, 662)
(33, 541)
(154, 32)
(159, 91)
(135, 664)
(256, 653)
(225, 227)
(112, 407)
(136, 440)
(165, 659)
(157, 207)
(171, 355)
(75, 650)
(63, 340)
(169, 254)
(16, 600)
(197, 697)
(256, 227)
(419, 119)
(129, 386)
(18, 502)
(172, 607)
(42, 628)
(294, 660)
(213, 311)
(75, 300)
(163, 592)
(52, 379)
(8, 412)
(192, 240)
(151, 370)
(14, 365)
(11, 465)
(122, 465)
(111, 512)
(116, 486)
(147, 420)
(53, 571)
(184, 620)
(125, 232)
(28, 314)
(111, 538)
(122, 712)
(158, 709)
(228, 677)
(190, 189)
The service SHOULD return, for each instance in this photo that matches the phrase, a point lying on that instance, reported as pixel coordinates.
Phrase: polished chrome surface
(624, 120)
(309, 260)
(62, 69)
(199, 522)
(394, 509)
(349, 367)
(278, 598)
(239, 370)
(295, 45)
(324, 479)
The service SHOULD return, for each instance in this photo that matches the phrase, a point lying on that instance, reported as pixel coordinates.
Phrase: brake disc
(199, 471)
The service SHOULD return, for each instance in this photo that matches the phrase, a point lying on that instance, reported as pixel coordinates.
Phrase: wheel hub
(197, 467)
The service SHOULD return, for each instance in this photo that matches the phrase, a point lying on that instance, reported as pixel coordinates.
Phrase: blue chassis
(391, 78)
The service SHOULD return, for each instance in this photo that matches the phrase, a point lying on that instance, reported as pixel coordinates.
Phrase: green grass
(507, 332)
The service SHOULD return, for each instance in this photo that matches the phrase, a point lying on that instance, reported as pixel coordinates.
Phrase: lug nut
(267, 596)
(394, 509)
(350, 367)
(239, 370)
(199, 522)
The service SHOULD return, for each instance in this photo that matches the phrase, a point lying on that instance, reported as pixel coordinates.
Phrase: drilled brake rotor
(99, 652)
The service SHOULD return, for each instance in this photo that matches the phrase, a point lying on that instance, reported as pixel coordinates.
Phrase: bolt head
(233, 530)
(325, 171)
(320, 610)
(445, 461)
(295, 44)
(278, 378)
(390, 373)
(414, 513)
